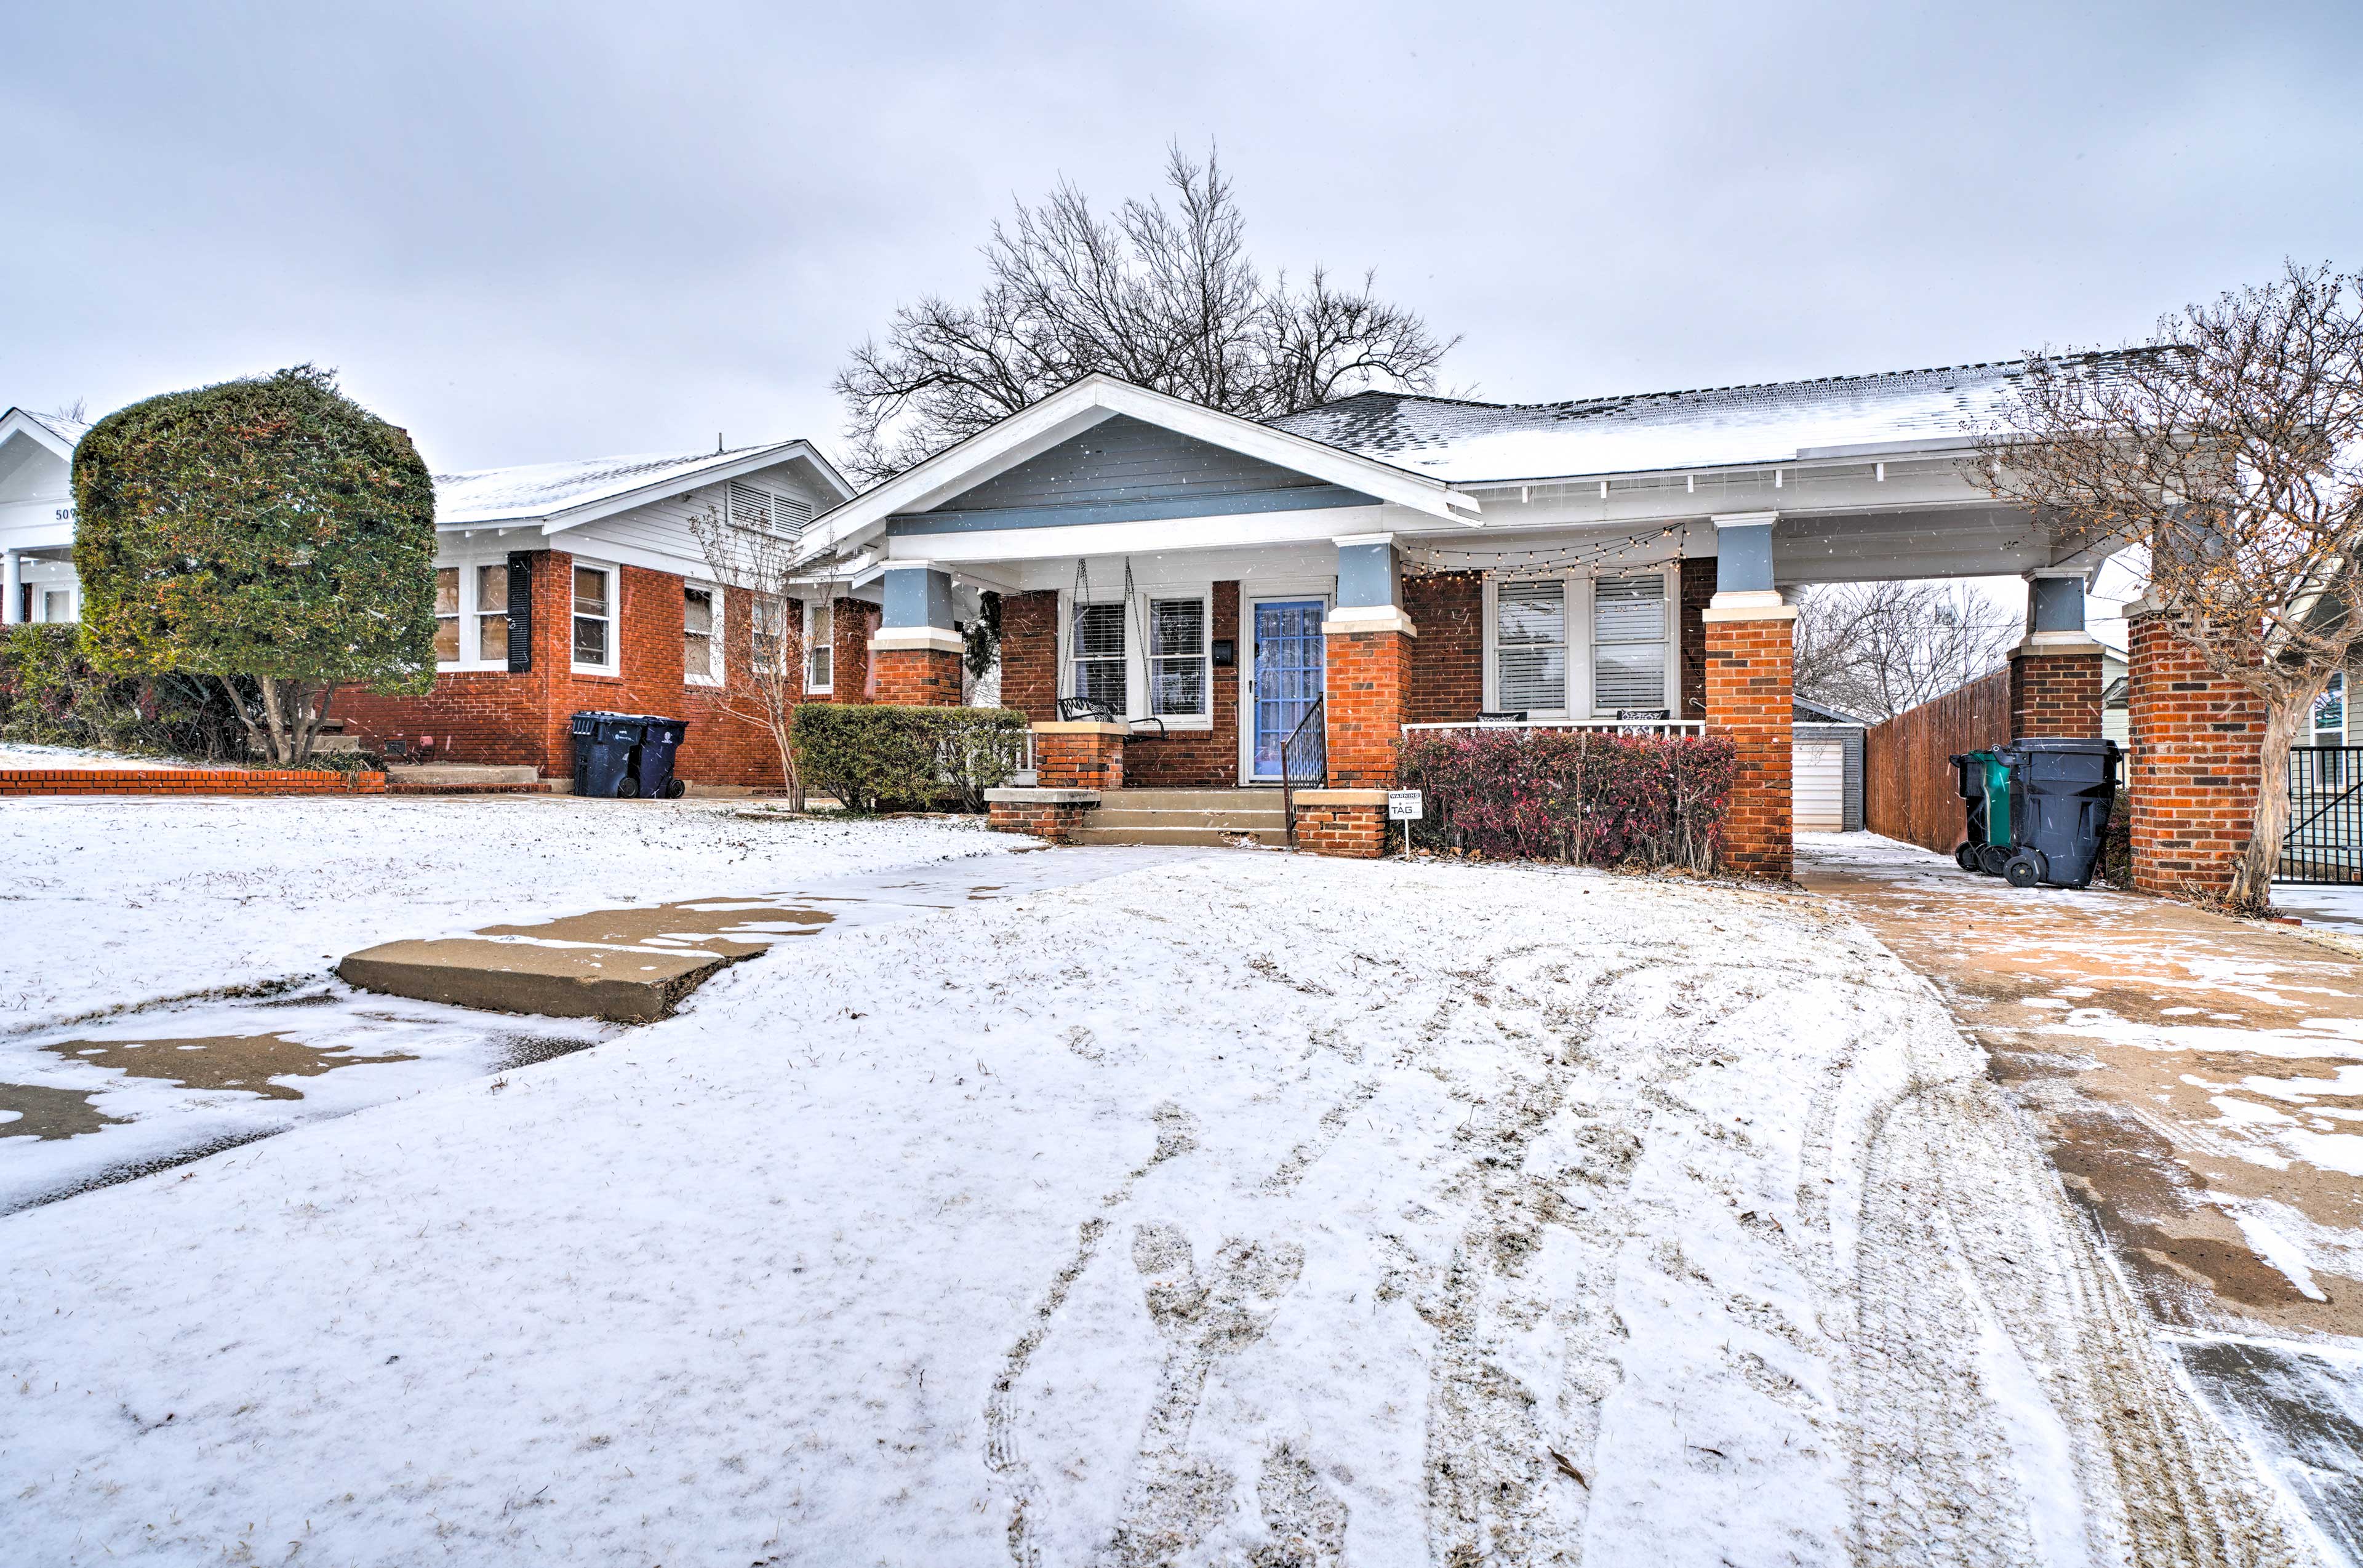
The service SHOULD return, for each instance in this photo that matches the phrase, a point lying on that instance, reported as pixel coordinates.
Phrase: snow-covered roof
(546, 489)
(1475, 443)
(69, 431)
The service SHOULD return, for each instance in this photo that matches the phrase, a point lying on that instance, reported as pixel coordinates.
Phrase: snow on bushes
(1580, 794)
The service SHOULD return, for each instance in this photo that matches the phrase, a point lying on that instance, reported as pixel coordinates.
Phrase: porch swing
(1075, 707)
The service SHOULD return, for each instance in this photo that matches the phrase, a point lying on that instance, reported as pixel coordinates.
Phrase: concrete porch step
(1186, 838)
(461, 775)
(1249, 800)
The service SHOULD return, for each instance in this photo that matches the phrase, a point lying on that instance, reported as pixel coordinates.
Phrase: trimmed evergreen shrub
(1583, 795)
(269, 528)
(875, 755)
(50, 695)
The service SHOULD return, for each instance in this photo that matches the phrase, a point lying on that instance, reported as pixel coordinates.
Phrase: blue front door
(1288, 649)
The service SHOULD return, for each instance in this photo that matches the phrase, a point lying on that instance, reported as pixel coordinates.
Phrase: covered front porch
(1190, 601)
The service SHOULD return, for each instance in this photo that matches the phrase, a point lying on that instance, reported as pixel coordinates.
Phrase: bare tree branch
(1875, 649)
(1163, 295)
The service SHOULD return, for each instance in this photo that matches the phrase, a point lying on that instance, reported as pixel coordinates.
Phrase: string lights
(1549, 561)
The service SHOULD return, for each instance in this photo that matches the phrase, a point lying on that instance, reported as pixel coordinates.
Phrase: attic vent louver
(756, 509)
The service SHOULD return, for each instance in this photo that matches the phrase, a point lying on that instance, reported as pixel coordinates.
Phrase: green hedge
(50, 695)
(872, 756)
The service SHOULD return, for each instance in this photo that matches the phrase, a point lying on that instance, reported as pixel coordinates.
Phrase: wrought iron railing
(1304, 761)
(2324, 844)
(1617, 726)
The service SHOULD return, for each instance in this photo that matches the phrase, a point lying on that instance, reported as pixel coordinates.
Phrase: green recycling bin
(1983, 779)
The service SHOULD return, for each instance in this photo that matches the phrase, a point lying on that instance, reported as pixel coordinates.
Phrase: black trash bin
(1984, 781)
(652, 769)
(604, 744)
(2062, 791)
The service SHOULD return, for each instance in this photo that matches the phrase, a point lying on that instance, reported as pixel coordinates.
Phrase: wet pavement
(2199, 1084)
(146, 1088)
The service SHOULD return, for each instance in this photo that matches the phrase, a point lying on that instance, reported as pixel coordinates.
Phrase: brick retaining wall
(186, 781)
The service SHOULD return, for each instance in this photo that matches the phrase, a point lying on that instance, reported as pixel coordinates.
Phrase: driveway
(2199, 1086)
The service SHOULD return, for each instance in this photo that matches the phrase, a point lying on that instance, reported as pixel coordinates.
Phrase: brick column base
(2055, 695)
(2195, 768)
(917, 677)
(1749, 665)
(1347, 823)
(1080, 755)
(1366, 676)
(1048, 813)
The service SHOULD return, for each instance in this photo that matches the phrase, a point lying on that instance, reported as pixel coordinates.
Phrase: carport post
(2056, 676)
(916, 651)
(1750, 662)
(12, 608)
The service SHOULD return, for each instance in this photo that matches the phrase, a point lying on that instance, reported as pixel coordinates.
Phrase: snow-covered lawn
(108, 903)
(15, 754)
(1252, 1210)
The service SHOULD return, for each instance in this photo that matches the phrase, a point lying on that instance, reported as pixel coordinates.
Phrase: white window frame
(813, 608)
(473, 654)
(1580, 646)
(1136, 658)
(72, 595)
(1670, 604)
(614, 618)
(718, 655)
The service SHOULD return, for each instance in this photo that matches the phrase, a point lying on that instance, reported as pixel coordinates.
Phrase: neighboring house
(1417, 560)
(2116, 723)
(36, 516)
(559, 587)
(1827, 768)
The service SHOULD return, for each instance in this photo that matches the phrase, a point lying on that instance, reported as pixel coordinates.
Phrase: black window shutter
(520, 609)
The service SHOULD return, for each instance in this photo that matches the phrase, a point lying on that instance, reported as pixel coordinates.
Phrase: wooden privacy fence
(1908, 791)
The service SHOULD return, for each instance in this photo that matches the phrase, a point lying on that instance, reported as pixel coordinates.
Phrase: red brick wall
(1029, 654)
(1055, 820)
(1353, 832)
(2055, 694)
(1447, 659)
(1697, 592)
(1189, 759)
(853, 680)
(494, 716)
(187, 781)
(1369, 673)
(1080, 760)
(2195, 768)
(1749, 667)
(917, 677)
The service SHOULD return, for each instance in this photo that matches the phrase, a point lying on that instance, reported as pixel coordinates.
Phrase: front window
(492, 612)
(820, 646)
(1099, 655)
(2330, 713)
(594, 616)
(697, 641)
(767, 625)
(1177, 657)
(1530, 646)
(447, 614)
(57, 605)
(1628, 644)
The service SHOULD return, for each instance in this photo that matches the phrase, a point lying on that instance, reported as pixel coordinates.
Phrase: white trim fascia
(902, 639)
(1745, 519)
(1347, 540)
(679, 482)
(1095, 398)
(1350, 619)
(1153, 536)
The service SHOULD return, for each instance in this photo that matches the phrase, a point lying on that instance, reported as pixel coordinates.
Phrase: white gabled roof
(1495, 443)
(54, 431)
(1072, 409)
(565, 494)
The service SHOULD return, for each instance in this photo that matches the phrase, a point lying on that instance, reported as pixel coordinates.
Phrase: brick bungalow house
(559, 587)
(1404, 561)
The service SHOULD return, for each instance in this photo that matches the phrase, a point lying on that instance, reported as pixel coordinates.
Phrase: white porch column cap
(2084, 572)
(1364, 538)
(1745, 519)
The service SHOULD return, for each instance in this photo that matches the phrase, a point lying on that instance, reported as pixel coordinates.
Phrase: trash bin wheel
(2024, 868)
(675, 788)
(1990, 857)
(627, 788)
(1966, 857)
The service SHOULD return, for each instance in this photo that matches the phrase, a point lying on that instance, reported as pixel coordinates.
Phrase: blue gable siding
(1122, 470)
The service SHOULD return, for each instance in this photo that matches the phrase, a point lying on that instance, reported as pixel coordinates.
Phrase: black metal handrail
(2324, 840)
(1304, 760)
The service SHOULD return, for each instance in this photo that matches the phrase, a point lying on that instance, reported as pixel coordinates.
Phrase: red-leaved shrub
(1573, 794)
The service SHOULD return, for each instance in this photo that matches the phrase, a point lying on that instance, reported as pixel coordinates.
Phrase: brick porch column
(2196, 762)
(1366, 675)
(917, 652)
(1750, 658)
(2055, 674)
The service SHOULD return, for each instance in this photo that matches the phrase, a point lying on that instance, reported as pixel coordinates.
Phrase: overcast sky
(549, 232)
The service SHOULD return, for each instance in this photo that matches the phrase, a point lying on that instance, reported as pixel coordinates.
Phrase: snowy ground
(1248, 1210)
(113, 902)
(19, 754)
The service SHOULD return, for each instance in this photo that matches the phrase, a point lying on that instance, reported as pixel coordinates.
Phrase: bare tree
(2227, 453)
(1164, 296)
(763, 665)
(1876, 648)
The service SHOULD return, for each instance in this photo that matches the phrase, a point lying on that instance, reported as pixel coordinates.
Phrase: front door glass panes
(1530, 647)
(1288, 649)
(593, 615)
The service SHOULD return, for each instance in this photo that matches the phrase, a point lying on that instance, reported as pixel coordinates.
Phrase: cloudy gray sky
(531, 233)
